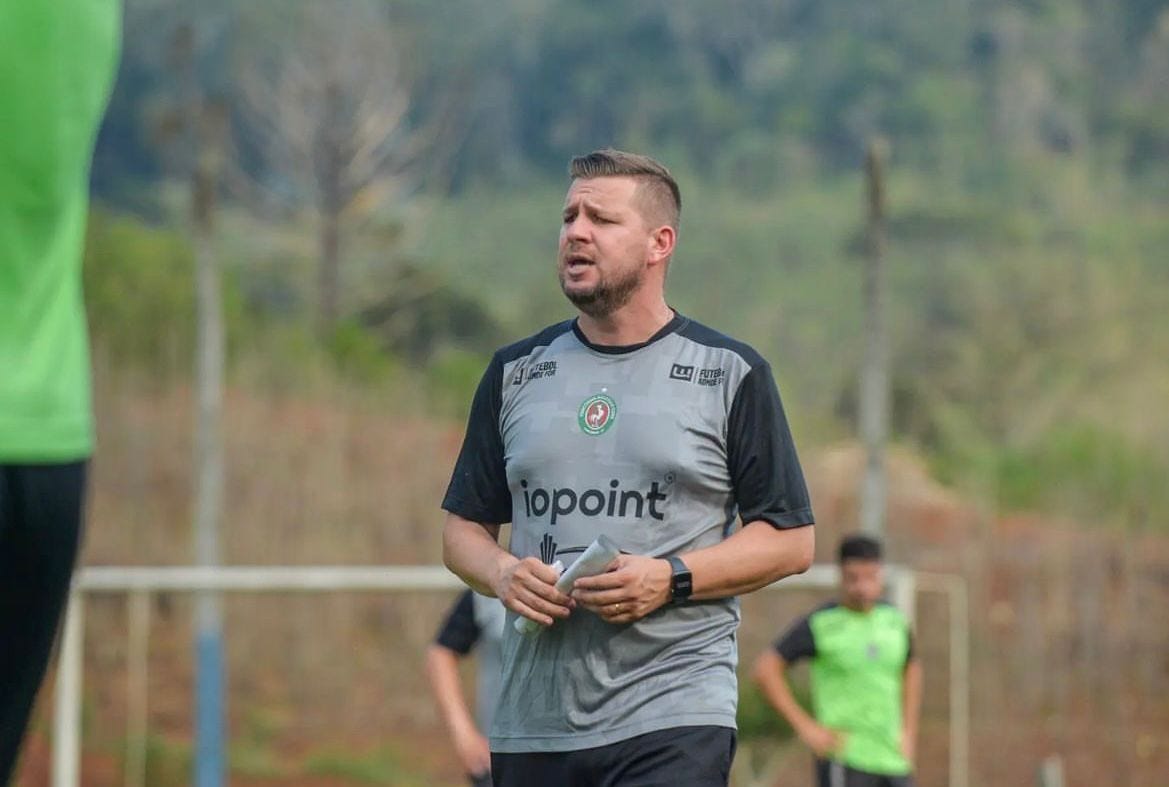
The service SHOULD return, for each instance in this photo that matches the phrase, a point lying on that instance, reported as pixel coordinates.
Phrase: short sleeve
(478, 490)
(797, 642)
(459, 631)
(765, 470)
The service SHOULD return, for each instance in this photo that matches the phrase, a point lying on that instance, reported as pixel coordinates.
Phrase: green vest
(57, 64)
(858, 672)
(857, 679)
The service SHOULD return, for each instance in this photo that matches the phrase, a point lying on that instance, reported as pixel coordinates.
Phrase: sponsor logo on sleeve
(538, 371)
(706, 377)
(535, 371)
(711, 376)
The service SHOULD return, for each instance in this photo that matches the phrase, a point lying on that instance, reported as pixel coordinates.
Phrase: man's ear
(661, 244)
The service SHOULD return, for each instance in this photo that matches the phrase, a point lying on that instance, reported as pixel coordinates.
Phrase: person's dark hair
(658, 191)
(860, 547)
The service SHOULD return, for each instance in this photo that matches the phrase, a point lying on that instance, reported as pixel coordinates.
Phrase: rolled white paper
(592, 561)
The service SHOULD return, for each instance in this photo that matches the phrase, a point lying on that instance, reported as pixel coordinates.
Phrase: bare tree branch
(329, 99)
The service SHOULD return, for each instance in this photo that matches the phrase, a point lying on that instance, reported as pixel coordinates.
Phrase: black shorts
(691, 756)
(40, 529)
(835, 774)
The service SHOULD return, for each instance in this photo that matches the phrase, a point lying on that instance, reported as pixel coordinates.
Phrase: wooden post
(874, 378)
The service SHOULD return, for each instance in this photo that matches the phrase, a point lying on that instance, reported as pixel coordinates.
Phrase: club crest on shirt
(596, 414)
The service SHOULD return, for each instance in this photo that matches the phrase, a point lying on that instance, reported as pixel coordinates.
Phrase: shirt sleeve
(765, 471)
(910, 653)
(460, 632)
(797, 642)
(478, 490)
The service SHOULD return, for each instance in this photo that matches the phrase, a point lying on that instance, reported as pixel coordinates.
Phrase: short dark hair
(658, 190)
(860, 547)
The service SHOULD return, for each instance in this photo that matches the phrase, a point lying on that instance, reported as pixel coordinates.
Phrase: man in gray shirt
(637, 423)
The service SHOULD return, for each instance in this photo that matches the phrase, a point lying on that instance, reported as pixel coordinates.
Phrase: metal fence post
(1051, 772)
(67, 702)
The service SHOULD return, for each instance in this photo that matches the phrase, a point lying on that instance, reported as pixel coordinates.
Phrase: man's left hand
(632, 587)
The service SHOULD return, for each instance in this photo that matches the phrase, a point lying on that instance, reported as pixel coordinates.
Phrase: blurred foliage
(1028, 190)
(381, 766)
(451, 381)
(252, 751)
(358, 356)
(1084, 471)
(421, 313)
(140, 292)
(752, 94)
(168, 762)
(758, 720)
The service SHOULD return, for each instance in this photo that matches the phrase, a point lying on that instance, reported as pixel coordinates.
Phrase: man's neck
(631, 324)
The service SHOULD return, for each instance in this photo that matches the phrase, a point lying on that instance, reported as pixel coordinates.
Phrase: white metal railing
(141, 582)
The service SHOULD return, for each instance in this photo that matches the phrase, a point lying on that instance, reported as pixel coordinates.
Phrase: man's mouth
(577, 261)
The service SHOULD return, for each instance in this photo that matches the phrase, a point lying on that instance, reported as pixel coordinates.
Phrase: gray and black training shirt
(660, 446)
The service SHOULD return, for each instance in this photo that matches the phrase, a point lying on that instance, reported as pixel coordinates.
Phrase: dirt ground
(1069, 650)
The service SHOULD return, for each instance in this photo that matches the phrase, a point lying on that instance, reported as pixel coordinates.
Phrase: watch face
(680, 581)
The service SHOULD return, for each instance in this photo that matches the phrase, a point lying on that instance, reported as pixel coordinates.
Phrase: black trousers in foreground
(40, 529)
(683, 756)
(835, 774)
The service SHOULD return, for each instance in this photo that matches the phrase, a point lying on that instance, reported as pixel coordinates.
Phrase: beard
(608, 295)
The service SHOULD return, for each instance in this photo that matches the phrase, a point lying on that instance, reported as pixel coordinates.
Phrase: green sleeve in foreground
(57, 67)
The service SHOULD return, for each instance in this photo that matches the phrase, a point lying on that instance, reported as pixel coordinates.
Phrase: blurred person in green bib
(57, 65)
(866, 679)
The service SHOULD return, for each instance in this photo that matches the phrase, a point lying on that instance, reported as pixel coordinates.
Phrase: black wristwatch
(681, 583)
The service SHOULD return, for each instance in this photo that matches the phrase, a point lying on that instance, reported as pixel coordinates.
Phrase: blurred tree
(972, 89)
(330, 98)
(422, 314)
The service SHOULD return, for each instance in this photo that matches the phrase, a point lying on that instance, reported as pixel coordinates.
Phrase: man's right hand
(820, 739)
(528, 588)
(473, 751)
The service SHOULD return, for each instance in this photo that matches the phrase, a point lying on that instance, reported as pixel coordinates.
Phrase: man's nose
(576, 229)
